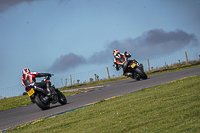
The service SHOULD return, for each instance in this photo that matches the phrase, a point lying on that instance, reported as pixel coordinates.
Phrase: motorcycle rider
(29, 78)
(119, 60)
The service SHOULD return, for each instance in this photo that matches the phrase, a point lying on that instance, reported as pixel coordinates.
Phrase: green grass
(171, 107)
(9, 103)
(175, 67)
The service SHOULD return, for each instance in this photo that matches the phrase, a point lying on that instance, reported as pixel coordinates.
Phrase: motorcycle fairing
(129, 65)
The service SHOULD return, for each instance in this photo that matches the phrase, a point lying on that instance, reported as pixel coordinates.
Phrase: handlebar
(48, 77)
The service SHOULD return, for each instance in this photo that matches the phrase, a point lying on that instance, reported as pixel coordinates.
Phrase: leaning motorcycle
(38, 95)
(133, 67)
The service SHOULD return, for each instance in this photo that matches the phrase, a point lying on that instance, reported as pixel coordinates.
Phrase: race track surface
(17, 116)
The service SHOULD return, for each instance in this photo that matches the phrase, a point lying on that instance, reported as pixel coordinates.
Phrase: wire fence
(80, 78)
(105, 73)
(168, 60)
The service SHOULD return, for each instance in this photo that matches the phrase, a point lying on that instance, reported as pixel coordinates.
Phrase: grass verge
(171, 107)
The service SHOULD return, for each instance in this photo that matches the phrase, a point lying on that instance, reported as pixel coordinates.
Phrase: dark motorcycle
(133, 67)
(38, 96)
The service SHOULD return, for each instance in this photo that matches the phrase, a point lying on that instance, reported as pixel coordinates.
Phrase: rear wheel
(141, 73)
(42, 102)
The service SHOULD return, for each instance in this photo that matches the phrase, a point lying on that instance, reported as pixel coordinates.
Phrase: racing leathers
(119, 61)
(30, 79)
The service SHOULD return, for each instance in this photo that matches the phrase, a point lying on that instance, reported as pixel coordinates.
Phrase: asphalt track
(17, 116)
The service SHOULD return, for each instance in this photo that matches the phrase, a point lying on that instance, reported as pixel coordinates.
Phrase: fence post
(108, 73)
(70, 78)
(186, 57)
(148, 65)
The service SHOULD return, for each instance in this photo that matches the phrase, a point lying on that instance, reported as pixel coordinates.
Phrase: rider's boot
(48, 91)
(128, 74)
(53, 90)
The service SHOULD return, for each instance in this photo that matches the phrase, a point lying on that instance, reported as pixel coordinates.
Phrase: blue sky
(62, 36)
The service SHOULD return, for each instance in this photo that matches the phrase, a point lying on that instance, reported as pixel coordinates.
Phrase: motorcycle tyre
(61, 98)
(40, 103)
(141, 73)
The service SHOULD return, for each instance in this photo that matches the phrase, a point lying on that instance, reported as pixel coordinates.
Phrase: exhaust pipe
(39, 89)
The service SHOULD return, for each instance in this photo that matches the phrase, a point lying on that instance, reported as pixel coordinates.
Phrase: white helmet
(115, 52)
(25, 71)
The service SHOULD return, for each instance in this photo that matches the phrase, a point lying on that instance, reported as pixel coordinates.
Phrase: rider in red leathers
(29, 78)
(119, 60)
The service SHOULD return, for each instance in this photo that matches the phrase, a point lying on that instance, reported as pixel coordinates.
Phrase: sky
(72, 36)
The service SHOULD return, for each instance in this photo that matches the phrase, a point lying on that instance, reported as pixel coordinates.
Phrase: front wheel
(61, 98)
(42, 102)
(141, 73)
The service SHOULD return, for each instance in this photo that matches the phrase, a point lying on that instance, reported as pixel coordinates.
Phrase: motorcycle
(38, 95)
(133, 67)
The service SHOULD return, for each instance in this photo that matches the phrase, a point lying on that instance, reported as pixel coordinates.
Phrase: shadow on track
(136, 80)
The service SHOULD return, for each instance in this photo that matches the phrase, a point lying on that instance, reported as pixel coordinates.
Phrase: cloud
(6, 4)
(150, 44)
(169, 40)
(156, 42)
(66, 62)
(101, 57)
